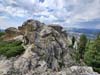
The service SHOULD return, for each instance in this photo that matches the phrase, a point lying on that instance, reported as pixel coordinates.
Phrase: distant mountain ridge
(90, 33)
(1, 30)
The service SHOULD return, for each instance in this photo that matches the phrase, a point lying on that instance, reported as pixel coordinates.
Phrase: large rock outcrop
(11, 32)
(46, 53)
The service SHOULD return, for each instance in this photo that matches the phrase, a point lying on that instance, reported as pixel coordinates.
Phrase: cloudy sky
(68, 13)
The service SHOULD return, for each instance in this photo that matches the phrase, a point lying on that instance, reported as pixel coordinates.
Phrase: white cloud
(69, 11)
(13, 11)
(16, 11)
(74, 11)
(87, 12)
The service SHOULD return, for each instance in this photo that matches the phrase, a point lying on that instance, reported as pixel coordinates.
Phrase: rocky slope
(46, 52)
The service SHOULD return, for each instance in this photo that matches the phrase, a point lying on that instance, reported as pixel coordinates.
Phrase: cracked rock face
(46, 53)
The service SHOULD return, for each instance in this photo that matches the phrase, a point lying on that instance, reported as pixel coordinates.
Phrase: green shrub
(11, 48)
(14, 51)
(2, 33)
(97, 69)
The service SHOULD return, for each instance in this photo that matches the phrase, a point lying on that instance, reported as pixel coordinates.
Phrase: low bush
(2, 33)
(11, 48)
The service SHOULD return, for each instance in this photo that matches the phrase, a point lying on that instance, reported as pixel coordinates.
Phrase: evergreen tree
(92, 55)
(73, 41)
(82, 45)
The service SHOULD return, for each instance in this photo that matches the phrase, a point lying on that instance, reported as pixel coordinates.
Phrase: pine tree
(82, 46)
(92, 55)
(73, 41)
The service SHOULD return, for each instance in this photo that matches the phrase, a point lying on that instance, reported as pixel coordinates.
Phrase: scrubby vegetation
(11, 48)
(2, 33)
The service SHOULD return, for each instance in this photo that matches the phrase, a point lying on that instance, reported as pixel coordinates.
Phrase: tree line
(88, 51)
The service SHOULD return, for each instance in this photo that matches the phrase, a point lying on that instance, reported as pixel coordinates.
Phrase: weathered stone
(56, 27)
(30, 26)
(11, 30)
(45, 31)
(10, 33)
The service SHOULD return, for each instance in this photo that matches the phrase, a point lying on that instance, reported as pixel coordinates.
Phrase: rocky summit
(46, 52)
